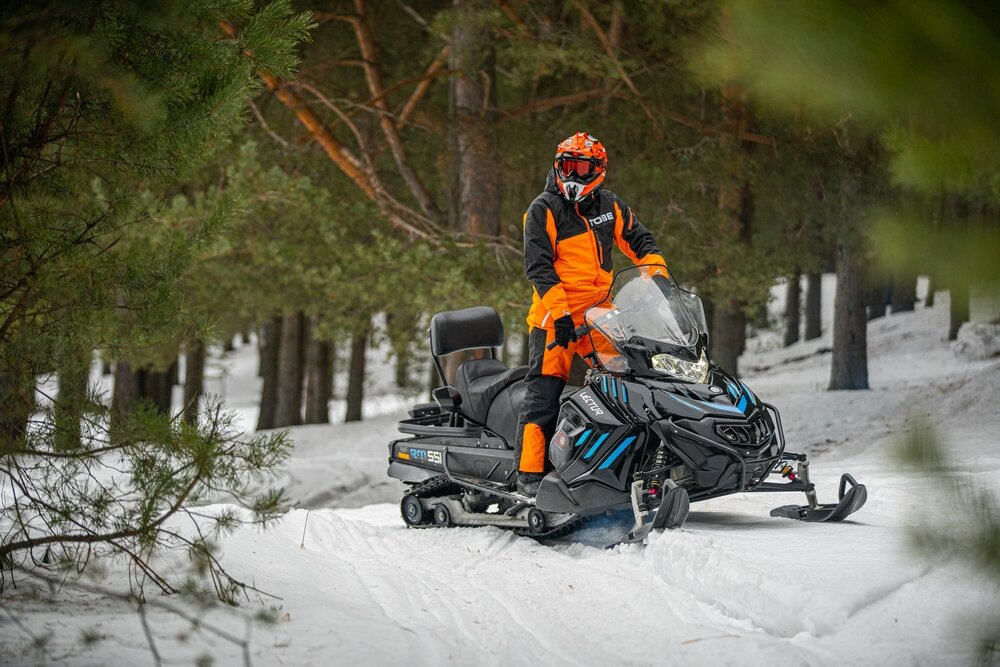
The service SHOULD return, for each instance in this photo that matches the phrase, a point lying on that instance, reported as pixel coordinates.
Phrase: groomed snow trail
(732, 587)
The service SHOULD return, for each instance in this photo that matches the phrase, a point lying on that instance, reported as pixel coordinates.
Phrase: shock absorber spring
(659, 460)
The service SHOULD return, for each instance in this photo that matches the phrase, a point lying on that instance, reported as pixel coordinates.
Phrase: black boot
(528, 483)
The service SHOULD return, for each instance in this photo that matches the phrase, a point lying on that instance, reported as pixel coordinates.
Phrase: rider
(568, 232)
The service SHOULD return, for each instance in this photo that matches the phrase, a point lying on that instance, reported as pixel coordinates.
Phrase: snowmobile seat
(467, 329)
(479, 381)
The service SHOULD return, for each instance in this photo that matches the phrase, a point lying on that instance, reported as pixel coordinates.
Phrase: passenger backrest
(466, 329)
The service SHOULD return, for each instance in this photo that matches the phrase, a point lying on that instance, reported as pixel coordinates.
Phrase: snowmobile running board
(480, 485)
(850, 500)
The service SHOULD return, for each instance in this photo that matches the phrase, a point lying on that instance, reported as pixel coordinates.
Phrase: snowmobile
(656, 425)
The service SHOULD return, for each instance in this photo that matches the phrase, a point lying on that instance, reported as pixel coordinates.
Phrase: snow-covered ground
(732, 587)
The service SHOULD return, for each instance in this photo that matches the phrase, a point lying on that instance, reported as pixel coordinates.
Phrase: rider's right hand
(565, 331)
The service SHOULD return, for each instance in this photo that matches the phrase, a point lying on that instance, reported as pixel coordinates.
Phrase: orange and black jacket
(567, 251)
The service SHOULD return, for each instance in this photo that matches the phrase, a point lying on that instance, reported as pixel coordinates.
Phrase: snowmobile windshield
(644, 316)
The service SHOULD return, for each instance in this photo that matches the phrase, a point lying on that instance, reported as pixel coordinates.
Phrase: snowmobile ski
(851, 499)
(671, 513)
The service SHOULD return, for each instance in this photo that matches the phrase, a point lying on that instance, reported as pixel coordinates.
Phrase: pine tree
(102, 101)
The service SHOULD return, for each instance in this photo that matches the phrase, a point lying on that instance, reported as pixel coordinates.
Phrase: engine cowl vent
(757, 432)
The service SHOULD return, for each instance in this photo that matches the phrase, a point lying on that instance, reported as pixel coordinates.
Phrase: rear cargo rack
(437, 425)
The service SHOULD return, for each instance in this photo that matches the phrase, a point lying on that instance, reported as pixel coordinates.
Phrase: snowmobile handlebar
(579, 331)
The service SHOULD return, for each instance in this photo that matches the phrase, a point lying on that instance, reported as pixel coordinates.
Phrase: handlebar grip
(580, 331)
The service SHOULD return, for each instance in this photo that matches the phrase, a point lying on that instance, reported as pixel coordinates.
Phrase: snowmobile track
(442, 486)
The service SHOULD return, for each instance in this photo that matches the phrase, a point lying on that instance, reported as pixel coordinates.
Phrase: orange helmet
(580, 165)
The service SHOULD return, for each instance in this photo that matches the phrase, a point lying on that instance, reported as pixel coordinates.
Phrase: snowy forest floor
(733, 586)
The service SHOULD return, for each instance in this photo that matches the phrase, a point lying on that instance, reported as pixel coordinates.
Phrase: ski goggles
(576, 166)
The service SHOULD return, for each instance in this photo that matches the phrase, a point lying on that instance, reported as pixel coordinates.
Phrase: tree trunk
(17, 402)
(959, 309)
(227, 344)
(261, 350)
(71, 401)
(288, 411)
(105, 365)
(814, 305)
(356, 377)
(849, 368)
(318, 373)
(270, 343)
(878, 296)
(17, 399)
(476, 203)
(904, 293)
(729, 335)
(793, 306)
(403, 367)
(194, 378)
(157, 386)
(736, 202)
(332, 390)
(126, 392)
(931, 286)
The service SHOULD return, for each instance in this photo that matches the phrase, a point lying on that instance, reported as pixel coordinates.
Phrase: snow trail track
(734, 586)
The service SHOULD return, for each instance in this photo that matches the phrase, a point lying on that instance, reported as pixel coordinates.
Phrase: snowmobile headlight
(694, 371)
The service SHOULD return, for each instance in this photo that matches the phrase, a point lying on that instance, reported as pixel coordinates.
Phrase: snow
(734, 586)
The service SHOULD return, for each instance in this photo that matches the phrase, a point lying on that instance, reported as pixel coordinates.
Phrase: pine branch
(398, 214)
(373, 77)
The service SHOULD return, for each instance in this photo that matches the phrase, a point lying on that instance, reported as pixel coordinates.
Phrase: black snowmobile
(656, 426)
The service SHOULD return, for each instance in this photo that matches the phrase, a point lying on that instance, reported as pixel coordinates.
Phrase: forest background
(314, 176)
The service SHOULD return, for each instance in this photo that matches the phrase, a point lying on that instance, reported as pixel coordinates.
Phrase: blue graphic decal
(690, 405)
(604, 382)
(597, 445)
(624, 393)
(618, 450)
(742, 406)
(614, 388)
(725, 408)
(753, 398)
(731, 388)
(583, 437)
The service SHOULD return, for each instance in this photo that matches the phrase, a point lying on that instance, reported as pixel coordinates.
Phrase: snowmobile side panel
(409, 474)
(590, 498)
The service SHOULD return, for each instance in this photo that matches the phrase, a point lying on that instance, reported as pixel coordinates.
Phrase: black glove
(665, 284)
(565, 331)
